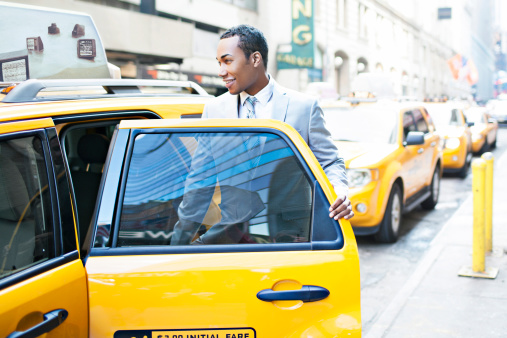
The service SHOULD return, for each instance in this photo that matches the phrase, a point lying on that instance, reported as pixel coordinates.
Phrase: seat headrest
(92, 148)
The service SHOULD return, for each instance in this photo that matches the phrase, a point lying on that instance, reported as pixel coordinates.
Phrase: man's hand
(341, 208)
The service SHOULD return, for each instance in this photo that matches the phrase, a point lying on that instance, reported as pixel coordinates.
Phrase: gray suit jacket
(304, 114)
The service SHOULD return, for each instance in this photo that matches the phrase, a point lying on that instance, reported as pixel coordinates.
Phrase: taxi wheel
(484, 148)
(432, 200)
(390, 225)
(464, 170)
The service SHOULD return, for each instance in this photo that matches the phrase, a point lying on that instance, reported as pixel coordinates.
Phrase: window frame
(317, 239)
(59, 258)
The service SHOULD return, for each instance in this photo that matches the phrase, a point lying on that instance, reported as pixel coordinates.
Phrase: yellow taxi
(484, 130)
(115, 222)
(454, 129)
(123, 214)
(393, 160)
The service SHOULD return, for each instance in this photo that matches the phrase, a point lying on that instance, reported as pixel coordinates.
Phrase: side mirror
(414, 138)
(470, 124)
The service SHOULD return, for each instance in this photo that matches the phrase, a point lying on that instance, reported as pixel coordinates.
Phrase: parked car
(484, 130)
(93, 176)
(393, 159)
(454, 129)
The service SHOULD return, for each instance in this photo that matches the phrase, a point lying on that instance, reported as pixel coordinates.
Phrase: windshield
(362, 124)
(444, 115)
(475, 115)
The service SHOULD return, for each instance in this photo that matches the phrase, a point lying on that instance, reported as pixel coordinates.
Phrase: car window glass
(214, 188)
(408, 124)
(420, 121)
(26, 230)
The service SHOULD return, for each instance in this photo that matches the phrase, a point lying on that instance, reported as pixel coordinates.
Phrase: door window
(214, 188)
(26, 230)
(420, 121)
(408, 124)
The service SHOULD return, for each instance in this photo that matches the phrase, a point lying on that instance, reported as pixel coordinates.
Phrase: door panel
(41, 274)
(206, 218)
(23, 305)
(218, 290)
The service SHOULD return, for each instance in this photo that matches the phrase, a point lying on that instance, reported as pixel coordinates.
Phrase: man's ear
(257, 59)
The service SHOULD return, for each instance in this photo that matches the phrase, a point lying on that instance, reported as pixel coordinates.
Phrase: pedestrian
(242, 55)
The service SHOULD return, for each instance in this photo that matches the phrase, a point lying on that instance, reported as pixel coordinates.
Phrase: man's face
(239, 73)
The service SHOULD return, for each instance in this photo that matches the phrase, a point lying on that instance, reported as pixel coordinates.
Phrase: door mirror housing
(414, 138)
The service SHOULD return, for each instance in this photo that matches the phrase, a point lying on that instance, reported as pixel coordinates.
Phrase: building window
(363, 22)
(341, 14)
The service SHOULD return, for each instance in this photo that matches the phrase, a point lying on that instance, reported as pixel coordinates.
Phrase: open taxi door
(42, 279)
(218, 228)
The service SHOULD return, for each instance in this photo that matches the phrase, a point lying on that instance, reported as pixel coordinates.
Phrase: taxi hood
(363, 154)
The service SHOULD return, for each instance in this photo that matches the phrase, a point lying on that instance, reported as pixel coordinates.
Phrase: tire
(462, 173)
(390, 225)
(493, 145)
(432, 200)
(484, 147)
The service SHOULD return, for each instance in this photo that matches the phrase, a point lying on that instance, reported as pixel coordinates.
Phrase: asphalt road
(386, 267)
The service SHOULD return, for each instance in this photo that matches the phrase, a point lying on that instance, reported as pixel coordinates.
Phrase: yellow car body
(386, 175)
(483, 131)
(454, 129)
(108, 269)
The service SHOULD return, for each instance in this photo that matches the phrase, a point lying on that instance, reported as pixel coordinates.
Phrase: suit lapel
(280, 103)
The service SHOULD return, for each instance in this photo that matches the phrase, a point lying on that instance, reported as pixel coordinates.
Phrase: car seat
(91, 149)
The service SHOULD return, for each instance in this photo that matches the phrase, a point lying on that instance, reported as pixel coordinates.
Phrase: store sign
(205, 80)
(303, 39)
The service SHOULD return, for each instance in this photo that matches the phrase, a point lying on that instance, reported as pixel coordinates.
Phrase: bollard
(478, 268)
(488, 193)
(478, 180)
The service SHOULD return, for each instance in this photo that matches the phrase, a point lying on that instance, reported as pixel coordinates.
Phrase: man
(242, 55)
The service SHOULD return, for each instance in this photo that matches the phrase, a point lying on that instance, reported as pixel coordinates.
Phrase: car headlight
(361, 177)
(452, 143)
(476, 137)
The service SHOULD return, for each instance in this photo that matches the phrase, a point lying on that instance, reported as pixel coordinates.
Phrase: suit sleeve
(322, 145)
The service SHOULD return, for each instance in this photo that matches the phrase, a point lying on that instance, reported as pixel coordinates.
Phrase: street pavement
(437, 302)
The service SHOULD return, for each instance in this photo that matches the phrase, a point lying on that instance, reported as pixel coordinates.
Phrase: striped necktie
(250, 106)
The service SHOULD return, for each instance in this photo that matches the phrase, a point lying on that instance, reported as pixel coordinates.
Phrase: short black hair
(250, 40)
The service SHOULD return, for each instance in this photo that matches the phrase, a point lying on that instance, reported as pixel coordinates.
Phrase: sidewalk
(435, 301)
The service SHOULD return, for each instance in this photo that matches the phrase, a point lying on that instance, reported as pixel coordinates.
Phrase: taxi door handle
(420, 150)
(307, 293)
(51, 321)
(433, 143)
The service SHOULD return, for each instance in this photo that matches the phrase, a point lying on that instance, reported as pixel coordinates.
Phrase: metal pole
(478, 182)
(489, 159)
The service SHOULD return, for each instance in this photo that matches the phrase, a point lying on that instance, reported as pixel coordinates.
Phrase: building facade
(409, 41)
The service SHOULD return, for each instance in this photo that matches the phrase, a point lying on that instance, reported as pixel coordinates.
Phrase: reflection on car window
(420, 121)
(26, 231)
(214, 188)
(408, 124)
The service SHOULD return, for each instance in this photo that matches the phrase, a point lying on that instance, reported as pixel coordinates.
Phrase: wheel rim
(436, 186)
(395, 213)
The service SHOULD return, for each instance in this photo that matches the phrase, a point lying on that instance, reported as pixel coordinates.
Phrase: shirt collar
(263, 96)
